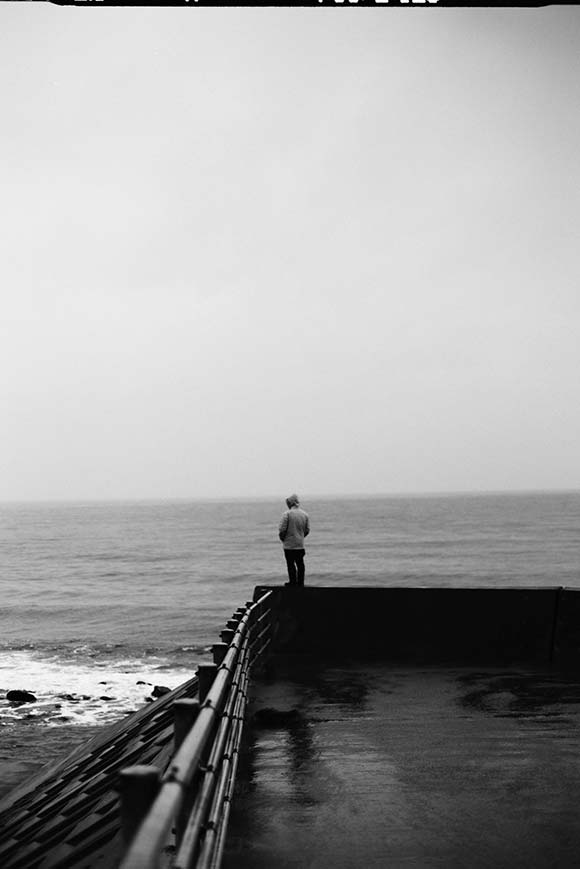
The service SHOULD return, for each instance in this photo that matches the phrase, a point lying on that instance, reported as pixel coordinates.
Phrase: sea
(100, 602)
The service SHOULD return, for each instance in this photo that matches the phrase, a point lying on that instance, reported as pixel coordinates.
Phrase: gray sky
(246, 252)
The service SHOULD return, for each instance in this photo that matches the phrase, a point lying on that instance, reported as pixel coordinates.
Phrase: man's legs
(289, 556)
(299, 559)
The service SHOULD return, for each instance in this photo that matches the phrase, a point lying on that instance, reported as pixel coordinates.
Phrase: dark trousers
(295, 564)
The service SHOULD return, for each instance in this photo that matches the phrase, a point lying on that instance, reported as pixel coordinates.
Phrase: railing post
(205, 676)
(138, 787)
(185, 712)
(219, 652)
(227, 635)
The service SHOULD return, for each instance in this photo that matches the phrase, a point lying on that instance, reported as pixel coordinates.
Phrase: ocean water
(100, 602)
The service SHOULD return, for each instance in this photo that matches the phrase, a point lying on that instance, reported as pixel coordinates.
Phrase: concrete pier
(375, 765)
(386, 727)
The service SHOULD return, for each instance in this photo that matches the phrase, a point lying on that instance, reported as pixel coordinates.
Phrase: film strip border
(408, 4)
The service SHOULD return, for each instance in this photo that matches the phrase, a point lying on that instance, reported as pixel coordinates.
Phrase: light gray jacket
(294, 527)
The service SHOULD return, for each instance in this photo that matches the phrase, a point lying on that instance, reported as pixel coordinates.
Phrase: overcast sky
(246, 252)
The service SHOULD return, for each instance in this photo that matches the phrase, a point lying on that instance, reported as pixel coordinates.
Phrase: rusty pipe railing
(194, 795)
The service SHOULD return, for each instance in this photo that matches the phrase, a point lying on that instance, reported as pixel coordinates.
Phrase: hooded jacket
(294, 527)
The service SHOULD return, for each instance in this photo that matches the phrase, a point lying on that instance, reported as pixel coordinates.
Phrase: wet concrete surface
(381, 766)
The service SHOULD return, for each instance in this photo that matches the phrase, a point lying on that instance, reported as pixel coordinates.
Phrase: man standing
(294, 527)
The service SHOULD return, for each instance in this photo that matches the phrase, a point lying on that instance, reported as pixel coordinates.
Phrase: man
(294, 527)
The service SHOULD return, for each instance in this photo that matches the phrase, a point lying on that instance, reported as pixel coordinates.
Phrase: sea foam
(79, 692)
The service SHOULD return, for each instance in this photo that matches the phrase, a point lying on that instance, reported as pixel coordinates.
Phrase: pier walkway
(381, 766)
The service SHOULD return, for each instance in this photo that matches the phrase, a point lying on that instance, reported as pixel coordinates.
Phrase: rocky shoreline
(36, 729)
(25, 704)
(18, 697)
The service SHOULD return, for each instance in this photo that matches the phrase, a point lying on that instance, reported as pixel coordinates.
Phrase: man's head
(292, 501)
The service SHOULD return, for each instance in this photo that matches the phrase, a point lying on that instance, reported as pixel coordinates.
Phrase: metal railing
(180, 819)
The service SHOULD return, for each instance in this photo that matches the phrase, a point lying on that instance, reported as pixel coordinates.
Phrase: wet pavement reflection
(377, 766)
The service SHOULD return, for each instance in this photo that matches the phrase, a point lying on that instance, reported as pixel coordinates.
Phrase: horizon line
(121, 499)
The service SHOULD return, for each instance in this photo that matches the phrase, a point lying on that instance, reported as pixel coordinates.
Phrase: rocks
(160, 690)
(105, 697)
(141, 682)
(18, 696)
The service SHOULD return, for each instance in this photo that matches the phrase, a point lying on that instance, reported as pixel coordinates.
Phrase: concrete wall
(566, 651)
(431, 625)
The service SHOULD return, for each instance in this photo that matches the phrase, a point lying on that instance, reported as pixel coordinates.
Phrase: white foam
(84, 683)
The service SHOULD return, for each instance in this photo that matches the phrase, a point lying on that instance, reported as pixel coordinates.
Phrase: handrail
(195, 792)
(208, 789)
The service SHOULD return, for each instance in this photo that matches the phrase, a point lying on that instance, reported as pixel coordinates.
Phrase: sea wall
(482, 626)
